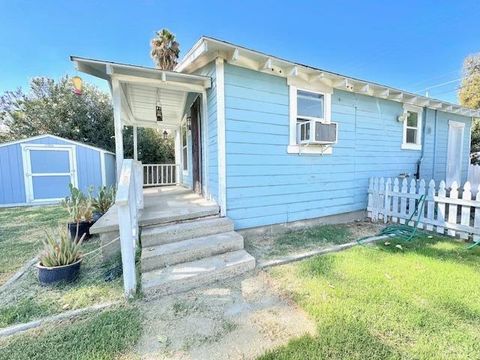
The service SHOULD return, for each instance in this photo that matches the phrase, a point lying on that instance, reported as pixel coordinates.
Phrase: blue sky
(407, 44)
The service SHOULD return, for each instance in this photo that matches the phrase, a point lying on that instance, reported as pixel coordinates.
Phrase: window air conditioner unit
(317, 133)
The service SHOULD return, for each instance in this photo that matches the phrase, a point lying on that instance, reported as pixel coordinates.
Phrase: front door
(48, 170)
(196, 148)
(454, 153)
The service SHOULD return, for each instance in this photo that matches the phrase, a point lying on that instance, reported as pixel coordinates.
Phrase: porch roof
(142, 88)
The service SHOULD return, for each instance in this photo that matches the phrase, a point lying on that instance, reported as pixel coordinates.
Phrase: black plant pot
(50, 275)
(96, 215)
(83, 228)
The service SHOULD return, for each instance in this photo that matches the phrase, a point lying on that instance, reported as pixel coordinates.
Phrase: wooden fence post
(370, 198)
(476, 223)
(465, 219)
(396, 189)
(381, 198)
(386, 200)
(430, 204)
(452, 208)
(403, 201)
(441, 207)
(411, 200)
(421, 206)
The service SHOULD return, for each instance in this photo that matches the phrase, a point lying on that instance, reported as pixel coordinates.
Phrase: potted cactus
(61, 258)
(80, 209)
(104, 201)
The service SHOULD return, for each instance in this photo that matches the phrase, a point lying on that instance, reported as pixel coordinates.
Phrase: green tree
(152, 147)
(51, 107)
(469, 95)
(164, 50)
(469, 92)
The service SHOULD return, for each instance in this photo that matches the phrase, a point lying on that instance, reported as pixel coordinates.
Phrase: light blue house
(274, 142)
(38, 170)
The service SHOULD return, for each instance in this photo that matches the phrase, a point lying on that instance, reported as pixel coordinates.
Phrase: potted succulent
(104, 201)
(80, 209)
(60, 259)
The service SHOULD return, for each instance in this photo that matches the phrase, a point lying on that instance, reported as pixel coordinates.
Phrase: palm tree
(165, 50)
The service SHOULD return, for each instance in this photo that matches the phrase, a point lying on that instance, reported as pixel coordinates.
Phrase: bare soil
(298, 241)
(236, 319)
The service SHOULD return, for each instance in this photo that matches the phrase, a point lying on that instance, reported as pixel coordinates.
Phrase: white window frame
(419, 112)
(294, 85)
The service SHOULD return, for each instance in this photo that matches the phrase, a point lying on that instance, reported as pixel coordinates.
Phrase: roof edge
(19, 141)
(234, 53)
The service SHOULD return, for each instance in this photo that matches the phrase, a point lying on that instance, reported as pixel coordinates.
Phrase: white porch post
(178, 154)
(222, 186)
(135, 143)
(117, 118)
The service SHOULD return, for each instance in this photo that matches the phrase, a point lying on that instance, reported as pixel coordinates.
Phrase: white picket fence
(445, 210)
(474, 177)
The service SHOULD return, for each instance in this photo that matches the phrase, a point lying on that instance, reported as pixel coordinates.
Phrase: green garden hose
(406, 232)
(403, 231)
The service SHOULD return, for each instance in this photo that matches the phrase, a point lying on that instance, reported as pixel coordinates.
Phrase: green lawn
(382, 302)
(27, 300)
(102, 336)
(21, 230)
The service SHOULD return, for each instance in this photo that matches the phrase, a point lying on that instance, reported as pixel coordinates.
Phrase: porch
(173, 104)
(162, 205)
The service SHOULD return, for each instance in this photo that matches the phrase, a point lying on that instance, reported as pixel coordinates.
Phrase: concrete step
(165, 234)
(186, 276)
(188, 250)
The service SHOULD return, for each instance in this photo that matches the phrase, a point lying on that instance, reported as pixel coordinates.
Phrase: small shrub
(78, 205)
(59, 250)
(104, 200)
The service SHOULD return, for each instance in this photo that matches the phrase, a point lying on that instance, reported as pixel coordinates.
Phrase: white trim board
(222, 172)
(27, 168)
(55, 137)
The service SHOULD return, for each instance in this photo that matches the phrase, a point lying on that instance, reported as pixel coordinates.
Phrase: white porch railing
(453, 210)
(129, 201)
(160, 174)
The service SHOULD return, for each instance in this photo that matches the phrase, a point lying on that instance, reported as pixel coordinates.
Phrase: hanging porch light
(158, 108)
(77, 85)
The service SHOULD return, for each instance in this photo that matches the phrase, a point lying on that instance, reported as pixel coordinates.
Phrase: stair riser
(183, 234)
(157, 262)
(191, 283)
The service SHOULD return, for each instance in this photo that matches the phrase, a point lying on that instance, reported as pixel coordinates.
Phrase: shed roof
(207, 48)
(55, 137)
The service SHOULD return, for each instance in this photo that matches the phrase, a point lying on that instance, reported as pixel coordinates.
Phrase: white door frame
(451, 159)
(27, 167)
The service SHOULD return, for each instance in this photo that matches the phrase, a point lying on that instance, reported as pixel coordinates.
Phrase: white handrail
(160, 174)
(129, 200)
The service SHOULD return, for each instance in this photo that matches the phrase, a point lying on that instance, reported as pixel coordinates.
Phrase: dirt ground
(236, 319)
(271, 246)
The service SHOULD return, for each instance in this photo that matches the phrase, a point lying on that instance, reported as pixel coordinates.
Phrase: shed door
(48, 171)
(454, 152)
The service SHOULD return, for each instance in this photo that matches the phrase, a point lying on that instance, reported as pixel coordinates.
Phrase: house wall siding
(266, 185)
(12, 184)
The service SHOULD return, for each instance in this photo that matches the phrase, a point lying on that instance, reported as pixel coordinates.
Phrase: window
(184, 149)
(412, 128)
(309, 117)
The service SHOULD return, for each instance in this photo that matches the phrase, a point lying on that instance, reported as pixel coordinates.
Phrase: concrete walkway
(239, 318)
